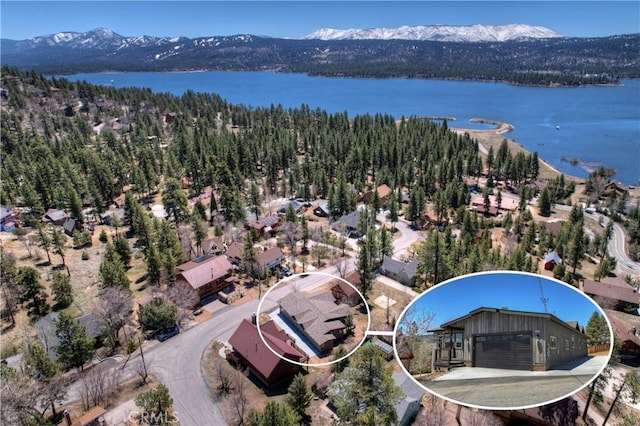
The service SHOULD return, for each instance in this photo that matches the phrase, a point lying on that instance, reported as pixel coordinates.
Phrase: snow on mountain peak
(472, 33)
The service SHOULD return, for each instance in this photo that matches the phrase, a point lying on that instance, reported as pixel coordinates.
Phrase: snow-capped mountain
(99, 38)
(463, 33)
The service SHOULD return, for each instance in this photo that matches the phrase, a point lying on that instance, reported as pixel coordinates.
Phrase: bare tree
(21, 235)
(472, 417)
(114, 307)
(184, 235)
(223, 375)
(291, 233)
(185, 298)
(629, 390)
(239, 397)
(20, 398)
(341, 267)
(141, 368)
(99, 386)
(414, 324)
(434, 412)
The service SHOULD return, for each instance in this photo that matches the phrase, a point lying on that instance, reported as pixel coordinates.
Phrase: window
(552, 342)
(566, 344)
(573, 343)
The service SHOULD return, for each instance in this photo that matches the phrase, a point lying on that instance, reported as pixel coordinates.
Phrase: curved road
(616, 247)
(177, 361)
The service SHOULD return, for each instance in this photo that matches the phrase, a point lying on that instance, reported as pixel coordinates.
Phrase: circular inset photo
(503, 340)
(312, 319)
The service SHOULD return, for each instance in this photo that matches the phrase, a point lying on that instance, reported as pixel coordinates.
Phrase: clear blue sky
(25, 19)
(516, 291)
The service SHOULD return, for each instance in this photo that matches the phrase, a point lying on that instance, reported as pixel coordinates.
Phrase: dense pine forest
(548, 62)
(54, 157)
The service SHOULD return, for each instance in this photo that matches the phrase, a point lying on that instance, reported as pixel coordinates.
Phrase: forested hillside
(54, 157)
(557, 61)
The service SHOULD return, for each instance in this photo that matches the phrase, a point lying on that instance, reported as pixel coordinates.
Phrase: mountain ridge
(537, 61)
(455, 33)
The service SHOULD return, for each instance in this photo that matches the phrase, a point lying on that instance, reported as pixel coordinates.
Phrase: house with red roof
(383, 193)
(629, 335)
(551, 260)
(55, 217)
(345, 293)
(270, 258)
(612, 292)
(250, 350)
(265, 226)
(207, 274)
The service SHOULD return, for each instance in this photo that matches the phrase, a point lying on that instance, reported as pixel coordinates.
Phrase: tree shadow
(563, 412)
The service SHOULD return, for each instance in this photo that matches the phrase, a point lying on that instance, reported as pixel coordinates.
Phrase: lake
(595, 124)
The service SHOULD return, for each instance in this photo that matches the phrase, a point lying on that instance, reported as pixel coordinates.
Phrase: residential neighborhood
(162, 252)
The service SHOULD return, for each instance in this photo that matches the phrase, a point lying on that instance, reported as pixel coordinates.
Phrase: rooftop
(612, 288)
(247, 342)
(317, 315)
(209, 269)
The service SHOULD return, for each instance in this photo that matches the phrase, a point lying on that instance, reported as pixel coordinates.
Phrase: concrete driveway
(581, 367)
(494, 388)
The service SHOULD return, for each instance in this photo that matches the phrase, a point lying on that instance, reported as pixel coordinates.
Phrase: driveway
(508, 389)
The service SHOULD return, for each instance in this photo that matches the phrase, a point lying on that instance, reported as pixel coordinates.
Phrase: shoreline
(493, 137)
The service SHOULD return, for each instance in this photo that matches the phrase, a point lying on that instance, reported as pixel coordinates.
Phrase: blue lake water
(596, 124)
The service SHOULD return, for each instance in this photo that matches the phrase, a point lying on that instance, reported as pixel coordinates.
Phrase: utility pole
(144, 364)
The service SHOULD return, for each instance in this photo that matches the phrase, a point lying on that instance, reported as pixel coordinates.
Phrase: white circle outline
(321, 364)
(506, 272)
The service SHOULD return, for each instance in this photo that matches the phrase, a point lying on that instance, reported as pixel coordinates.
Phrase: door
(505, 350)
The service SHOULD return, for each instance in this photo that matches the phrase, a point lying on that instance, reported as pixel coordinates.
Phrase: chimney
(253, 318)
(67, 417)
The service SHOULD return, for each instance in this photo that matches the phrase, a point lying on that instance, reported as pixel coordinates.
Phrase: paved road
(616, 247)
(508, 392)
(405, 240)
(177, 361)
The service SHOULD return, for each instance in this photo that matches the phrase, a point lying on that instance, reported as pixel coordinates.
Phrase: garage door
(509, 350)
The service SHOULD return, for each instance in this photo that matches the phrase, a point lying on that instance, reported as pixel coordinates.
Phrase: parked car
(286, 272)
(167, 333)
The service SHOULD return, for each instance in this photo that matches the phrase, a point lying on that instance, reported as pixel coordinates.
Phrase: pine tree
(274, 413)
(121, 246)
(58, 241)
(393, 211)
(364, 262)
(32, 291)
(386, 243)
(157, 404)
(75, 347)
(298, 395)
(39, 366)
(304, 226)
(174, 200)
(62, 290)
(112, 270)
(597, 330)
(545, 202)
(365, 393)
